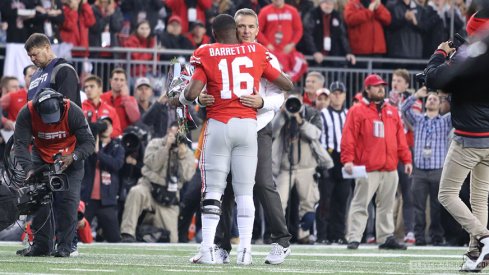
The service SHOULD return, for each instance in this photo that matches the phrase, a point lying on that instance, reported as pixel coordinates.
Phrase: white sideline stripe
(195, 245)
(291, 257)
(82, 269)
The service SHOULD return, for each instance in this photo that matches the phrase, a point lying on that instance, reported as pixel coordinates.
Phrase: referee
(333, 190)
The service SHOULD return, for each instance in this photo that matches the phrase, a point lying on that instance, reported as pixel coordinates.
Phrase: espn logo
(52, 135)
(38, 81)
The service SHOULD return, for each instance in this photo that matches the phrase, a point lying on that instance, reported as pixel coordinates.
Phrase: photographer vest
(51, 139)
(42, 79)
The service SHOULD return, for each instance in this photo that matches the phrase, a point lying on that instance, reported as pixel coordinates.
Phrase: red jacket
(103, 110)
(13, 102)
(126, 107)
(136, 42)
(179, 8)
(75, 26)
(360, 146)
(366, 28)
(273, 20)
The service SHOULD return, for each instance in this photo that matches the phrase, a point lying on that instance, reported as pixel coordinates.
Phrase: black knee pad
(211, 207)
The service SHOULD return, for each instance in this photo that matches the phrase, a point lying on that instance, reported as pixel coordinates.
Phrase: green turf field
(145, 259)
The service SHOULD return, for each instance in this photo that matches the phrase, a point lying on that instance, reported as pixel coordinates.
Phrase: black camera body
(37, 190)
(133, 138)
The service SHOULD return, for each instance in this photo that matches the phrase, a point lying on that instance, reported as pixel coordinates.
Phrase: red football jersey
(231, 71)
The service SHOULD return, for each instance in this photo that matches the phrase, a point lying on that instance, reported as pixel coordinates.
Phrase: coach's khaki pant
(139, 199)
(384, 185)
(458, 163)
(307, 189)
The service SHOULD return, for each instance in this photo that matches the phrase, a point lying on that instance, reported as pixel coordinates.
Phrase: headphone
(45, 94)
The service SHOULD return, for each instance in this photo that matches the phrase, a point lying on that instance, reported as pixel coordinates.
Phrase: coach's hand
(349, 167)
(253, 101)
(206, 99)
(408, 169)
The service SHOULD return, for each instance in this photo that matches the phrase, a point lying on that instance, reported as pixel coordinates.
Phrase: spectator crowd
(143, 184)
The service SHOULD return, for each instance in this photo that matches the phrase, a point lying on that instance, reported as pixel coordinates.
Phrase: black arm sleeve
(85, 143)
(23, 138)
(66, 83)
(436, 71)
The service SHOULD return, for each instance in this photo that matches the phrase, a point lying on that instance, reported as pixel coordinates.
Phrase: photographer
(94, 108)
(168, 163)
(100, 185)
(58, 127)
(464, 76)
(295, 129)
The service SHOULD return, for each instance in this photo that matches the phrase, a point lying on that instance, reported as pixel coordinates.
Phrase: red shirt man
(125, 105)
(94, 108)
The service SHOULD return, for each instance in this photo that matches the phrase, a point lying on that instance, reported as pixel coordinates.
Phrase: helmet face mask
(49, 105)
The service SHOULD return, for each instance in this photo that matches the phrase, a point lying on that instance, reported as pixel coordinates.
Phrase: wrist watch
(75, 157)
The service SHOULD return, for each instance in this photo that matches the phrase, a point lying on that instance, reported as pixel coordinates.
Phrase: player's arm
(277, 77)
(194, 88)
(282, 81)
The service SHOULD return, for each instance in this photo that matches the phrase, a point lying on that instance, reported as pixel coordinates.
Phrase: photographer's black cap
(50, 111)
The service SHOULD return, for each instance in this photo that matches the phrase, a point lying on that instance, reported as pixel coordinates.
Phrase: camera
(320, 173)
(21, 196)
(45, 179)
(96, 127)
(293, 104)
(133, 138)
(458, 41)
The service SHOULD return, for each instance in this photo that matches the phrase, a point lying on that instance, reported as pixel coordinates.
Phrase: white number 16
(237, 76)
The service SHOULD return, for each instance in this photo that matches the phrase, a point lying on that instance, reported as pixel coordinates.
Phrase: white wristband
(183, 100)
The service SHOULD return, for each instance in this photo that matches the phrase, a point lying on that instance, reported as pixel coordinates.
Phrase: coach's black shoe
(391, 243)
(33, 251)
(420, 242)
(126, 238)
(353, 245)
(61, 253)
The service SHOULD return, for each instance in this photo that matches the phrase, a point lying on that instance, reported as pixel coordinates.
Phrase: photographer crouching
(59, 128)
(168, 163)
(464, 76)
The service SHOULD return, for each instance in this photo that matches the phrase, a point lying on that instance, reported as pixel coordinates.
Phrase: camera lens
(293, 105)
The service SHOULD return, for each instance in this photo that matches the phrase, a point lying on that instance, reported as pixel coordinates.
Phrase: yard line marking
(26, 273)
(82, 269)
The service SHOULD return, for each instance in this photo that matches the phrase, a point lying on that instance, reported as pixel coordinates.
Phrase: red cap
(476, 24)
(81, 207)
(175, 18)
(374, 80)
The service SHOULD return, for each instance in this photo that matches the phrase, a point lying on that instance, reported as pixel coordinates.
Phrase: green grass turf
(174, 258)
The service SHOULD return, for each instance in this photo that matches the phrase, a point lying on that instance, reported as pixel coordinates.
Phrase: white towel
(16, 59)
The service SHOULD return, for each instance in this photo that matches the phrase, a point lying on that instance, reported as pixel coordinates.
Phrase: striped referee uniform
(334, 190)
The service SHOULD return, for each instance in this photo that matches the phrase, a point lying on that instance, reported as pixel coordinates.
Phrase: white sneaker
(469, 263)
(222, 256)
(204, 256)
(484, 254)
(244, 257)
(74, 253)
(278, 254)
